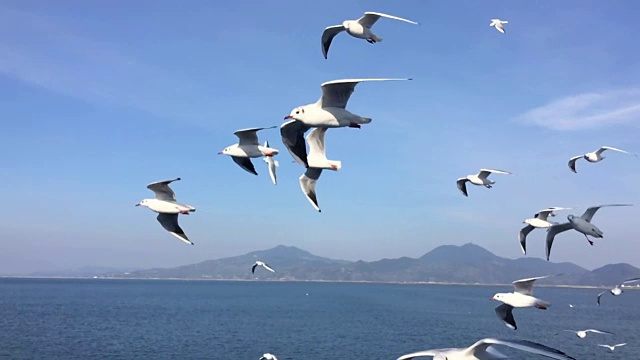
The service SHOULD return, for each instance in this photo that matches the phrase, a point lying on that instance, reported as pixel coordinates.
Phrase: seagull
(317, 162)
(618, 289)
(167, 208)
(479, 179)
(498, 24)
(610, 347)
(570, 305)
(581, 224)
(539, 221)
(248, 148)
(273, 164)
(328, 111)
(583, 333)
(268, 356)
(593, 157)
(360, 29)
(260, 263)
(484, 350)
(522, 297)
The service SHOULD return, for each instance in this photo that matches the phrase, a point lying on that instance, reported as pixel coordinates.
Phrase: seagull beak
(138, 204)
(492, 298)
(288, 117)
(220, 153)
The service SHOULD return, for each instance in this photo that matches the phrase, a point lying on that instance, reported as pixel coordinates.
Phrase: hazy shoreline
(303, 281)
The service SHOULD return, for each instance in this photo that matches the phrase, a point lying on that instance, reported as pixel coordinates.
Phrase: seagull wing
(327, 37)
(317, 151)
(268, 267)
(162, 190)
(486, 172)
(336, 93)
(245, 163)
(525, 286)
(600, 295)
(292, 133)
(602, 149)
(414, 355)
(308, 182)
(599, 331)
(480, 348)
(170, 223)
(523, 237)
(588, 214)
(253, 268)
(616, 345)
(630, 281)
(551, 234)
(249, 136)
(572, 163)
(462, 186)
(505, 314)
(370, 18)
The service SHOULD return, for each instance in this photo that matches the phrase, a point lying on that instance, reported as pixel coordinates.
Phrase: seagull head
(142, 203)
(297, 113)
(570, 217)
(346, 24)
(497, 297)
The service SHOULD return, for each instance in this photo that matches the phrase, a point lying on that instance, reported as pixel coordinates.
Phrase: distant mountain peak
(451, 252)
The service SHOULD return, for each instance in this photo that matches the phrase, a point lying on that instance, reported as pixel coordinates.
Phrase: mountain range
(465, 264)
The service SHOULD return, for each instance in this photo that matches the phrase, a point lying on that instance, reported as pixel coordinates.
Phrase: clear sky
(99, 100)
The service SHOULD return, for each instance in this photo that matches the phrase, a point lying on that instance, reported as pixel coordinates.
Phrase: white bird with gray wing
(593, 157)
(498, 24)
(268, 356)
(612, 347)
(617, 290)
(480, 179)
(539, 221)
(580, 224)
(317, 162)
(263, 264)
(167, 208)
(583, 333)
(248, 147)
(360, 29)
(272, 164)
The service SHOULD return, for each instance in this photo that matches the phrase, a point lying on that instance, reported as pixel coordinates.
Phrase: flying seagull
(612, 347)
(539, 221)
(617, 290)
(328, 111)
(268, 356)
(248, 147)
(522, 297)
(272, 164)
(360, 29)
(167, 208)
(498, 24)
(260, 263)
(580, 224)
(593, 157)
(317, 162)
(583, 333)
(484, 350)
(479, 179)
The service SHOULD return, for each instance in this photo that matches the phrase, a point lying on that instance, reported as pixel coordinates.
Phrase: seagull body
(612, 347)
(247, 148)
(272, 164)
(580, 224)
(498, 24)
(484, 350)
(593, 157)
(617, 290)
(318, 161)
(583, 333)
(260, 263)
(360, 29)
(539, 221)
(480, 179)
(167, 208)
(522, 297)
(268, 356)
(328, 112)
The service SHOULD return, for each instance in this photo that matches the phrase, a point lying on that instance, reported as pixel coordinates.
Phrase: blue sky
(97, 101)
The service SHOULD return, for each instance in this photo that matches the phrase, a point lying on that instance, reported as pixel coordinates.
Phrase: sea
(241, 320)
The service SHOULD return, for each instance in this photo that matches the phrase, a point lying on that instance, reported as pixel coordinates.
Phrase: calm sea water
(127, 319)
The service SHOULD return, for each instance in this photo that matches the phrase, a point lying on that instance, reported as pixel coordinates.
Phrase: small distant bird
(167, 208)
(317, 162)
(580, 224)
(538, 221)
(248, 147)
(260, 263)
(583, 333)
(610, 347)
(618, 289)
(268, 356)
(570, 305)
(272, 164)
(479, 179)
(498, 24)
(593, 157)
(522, 297)
(328, 112)
(360, 29)
(484, 350)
